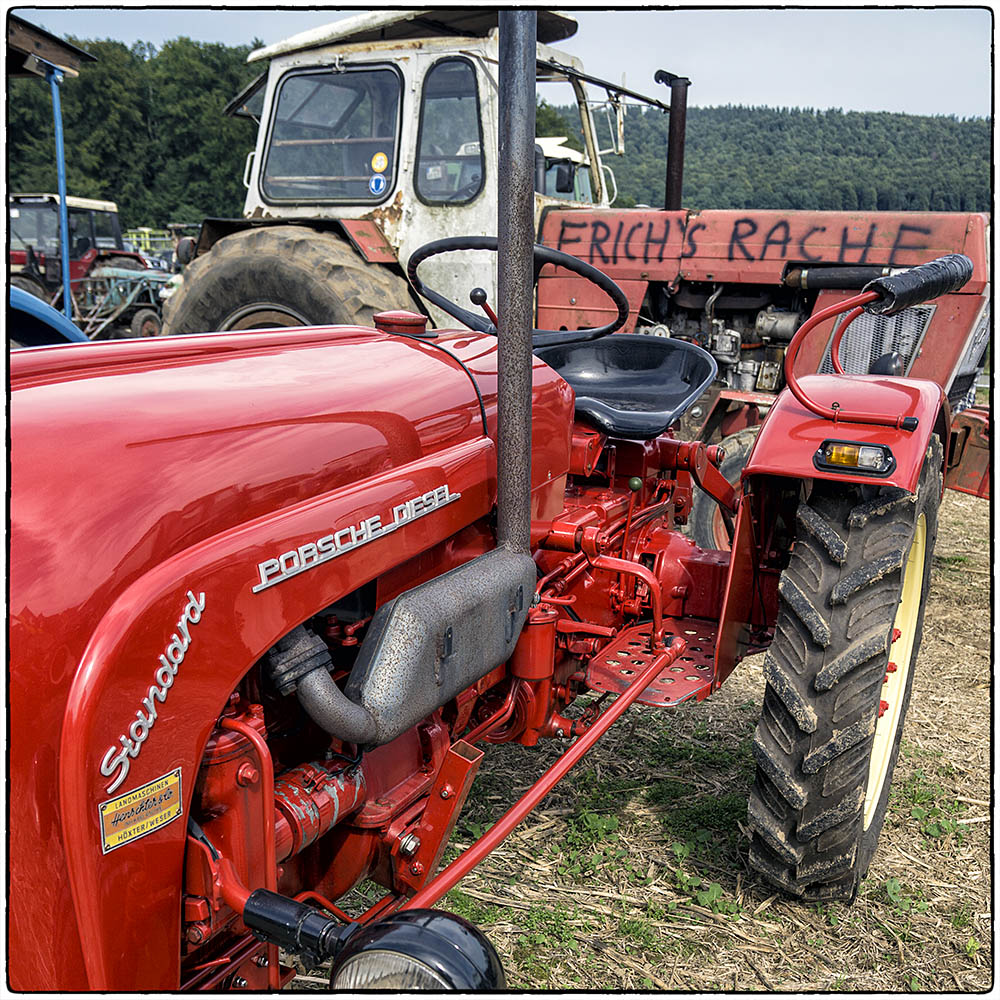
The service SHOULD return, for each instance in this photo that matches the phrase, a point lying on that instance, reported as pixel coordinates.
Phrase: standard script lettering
(119, 759)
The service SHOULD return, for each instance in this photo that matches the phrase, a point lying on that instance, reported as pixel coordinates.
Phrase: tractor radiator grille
(871, 336)
(962, 391)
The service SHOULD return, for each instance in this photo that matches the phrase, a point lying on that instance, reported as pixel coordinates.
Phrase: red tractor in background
(378, 133)
(740, 283)
(315, 571)
(95, 241)
(115, 291)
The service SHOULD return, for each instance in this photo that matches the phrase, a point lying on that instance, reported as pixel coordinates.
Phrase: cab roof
(382, 26)
(71, 201)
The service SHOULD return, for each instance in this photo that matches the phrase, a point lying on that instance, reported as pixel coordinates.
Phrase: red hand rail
(854, 306)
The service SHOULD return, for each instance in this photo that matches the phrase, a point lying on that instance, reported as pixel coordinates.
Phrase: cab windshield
(333, 136)
(35, 224)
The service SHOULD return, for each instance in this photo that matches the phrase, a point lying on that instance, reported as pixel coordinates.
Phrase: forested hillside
(145, 128)
(741, 157)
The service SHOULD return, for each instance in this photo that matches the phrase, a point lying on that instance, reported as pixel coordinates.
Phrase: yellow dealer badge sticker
(141, 811)
(379, 162)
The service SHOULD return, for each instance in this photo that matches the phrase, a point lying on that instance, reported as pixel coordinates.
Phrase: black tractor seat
(632, 385)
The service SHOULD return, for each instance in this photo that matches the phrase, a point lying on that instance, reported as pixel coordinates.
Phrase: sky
(930, 61)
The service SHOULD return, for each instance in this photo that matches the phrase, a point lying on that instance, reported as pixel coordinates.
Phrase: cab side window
(450, 163)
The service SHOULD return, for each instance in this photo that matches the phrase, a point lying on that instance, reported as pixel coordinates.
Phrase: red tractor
(739, 284)
(95, 241)
(314, 572)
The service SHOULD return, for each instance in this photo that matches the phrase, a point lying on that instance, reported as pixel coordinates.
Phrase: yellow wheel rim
(900, 656)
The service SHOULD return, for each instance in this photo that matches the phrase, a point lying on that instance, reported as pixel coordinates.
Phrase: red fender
(789, 438)
(123, 660)
(791, 435)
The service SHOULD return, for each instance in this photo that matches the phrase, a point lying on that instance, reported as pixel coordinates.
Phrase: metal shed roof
(27, 43)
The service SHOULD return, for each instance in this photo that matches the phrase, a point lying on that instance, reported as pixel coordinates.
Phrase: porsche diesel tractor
(275, 593)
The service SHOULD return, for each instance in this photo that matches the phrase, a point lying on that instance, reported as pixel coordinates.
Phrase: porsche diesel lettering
(312, 554)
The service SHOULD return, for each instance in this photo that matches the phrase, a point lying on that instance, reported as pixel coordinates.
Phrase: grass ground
(633, 875)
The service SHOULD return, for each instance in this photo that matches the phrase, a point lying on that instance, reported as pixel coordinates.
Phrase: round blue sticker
(377, 183)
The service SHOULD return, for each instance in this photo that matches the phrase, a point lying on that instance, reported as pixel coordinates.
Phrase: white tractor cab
(390, 118)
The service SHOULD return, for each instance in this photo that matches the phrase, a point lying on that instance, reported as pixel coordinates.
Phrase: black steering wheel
(543, 255)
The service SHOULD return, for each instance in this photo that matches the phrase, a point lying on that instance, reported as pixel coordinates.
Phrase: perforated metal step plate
(691, 676)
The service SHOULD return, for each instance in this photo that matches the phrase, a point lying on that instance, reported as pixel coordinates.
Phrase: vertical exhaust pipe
(677, 128)
(431, 642)
(516, 238)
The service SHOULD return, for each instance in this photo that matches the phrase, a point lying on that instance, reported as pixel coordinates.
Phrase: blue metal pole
(54, 76)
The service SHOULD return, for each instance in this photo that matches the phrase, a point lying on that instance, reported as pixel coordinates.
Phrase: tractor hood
(125, 454)
(246, 481)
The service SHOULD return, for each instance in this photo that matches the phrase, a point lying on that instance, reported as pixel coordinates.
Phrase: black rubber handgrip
(919, 284)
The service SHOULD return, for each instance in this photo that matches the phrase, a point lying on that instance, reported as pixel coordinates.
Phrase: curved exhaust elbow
(300, 662)
(333, 711)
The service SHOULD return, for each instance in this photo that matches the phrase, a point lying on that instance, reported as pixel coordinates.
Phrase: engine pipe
(301, 662)
(676, 128)
(833, 277)
(473, 855)
(310, 800)
(638, 570)
(515, 229)
(500, 716)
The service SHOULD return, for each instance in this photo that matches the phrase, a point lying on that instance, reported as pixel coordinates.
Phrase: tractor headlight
(852, 456)
(387, 970)
(418, 950)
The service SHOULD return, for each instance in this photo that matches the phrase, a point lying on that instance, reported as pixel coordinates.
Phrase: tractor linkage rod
(473, 855)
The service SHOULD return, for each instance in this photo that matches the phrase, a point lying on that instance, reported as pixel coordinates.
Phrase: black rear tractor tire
(838, 681)
(30, 285)
(146, 323)
(705, 524)
(281, 276)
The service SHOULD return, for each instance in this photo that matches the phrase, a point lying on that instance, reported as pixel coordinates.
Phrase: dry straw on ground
(633, 874)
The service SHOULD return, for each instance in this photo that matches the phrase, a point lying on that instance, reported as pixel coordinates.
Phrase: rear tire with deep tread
(30, 285)
(705, 524)
(860, 566)
(281, 276)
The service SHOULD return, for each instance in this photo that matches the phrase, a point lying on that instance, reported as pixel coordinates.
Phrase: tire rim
(901, 654)
(263, 316)
(719, 534)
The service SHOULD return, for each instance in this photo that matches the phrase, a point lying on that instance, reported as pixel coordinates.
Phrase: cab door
(451, 176)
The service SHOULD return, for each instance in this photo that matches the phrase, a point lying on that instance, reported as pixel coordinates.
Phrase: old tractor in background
(114, 290)
(740, 283)
(379, 132)
(316, 572)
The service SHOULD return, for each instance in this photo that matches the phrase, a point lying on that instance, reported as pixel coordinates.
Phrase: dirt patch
(633, 873)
